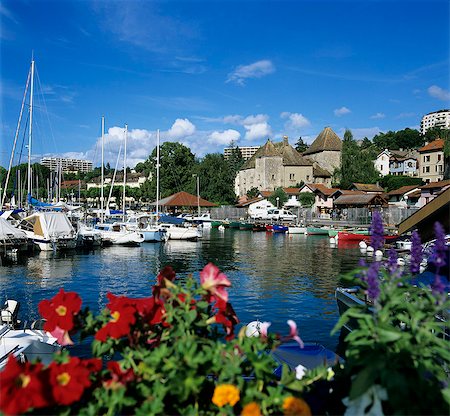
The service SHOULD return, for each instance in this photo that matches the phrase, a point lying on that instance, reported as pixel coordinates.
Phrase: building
(274, 165)
(406, 196)
(246, 151)
(326, 150)
(323, 203)
(67, 165)
(397, 162)
(431, 164)
(432, 190)
(133, 180)
(370, 188)
(440, 118)
(382, 162)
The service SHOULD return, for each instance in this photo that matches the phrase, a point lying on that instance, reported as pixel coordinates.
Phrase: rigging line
(114, 178)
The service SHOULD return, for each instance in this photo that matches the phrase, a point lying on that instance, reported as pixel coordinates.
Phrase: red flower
(68, 381)
(226, 316)
(214, 282)
(122, 316)
(164, 280)
(60, 310)
(118, 377)
(22, 387)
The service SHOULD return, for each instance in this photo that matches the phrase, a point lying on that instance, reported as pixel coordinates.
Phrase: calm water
(275, 277)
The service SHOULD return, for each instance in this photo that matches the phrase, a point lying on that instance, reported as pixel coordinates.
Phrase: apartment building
(67, 165)
(440, 118)
(431, 162)
(246, 151)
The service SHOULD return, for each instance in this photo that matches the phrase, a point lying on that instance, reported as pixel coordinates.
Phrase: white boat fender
(370, 249)
(362, 245)
(253, 329)
(378, 254)
(400, 262)
(332, 241)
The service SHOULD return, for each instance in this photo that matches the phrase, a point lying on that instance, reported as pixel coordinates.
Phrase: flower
(300, 371)
(164, 279)
(214, 282)
(251, 409)
(122, 316)
(60, 310)
(226, 316)
(373, 286)
(225, 394)
(416, 253)
(294, 332)
(392, 261)
(68, 381)
(118, 377)
(377, 231)
(264, 327)
(439, 249)
(294, 406)
(22, 387)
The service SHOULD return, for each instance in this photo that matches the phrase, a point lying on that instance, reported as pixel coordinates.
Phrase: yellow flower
(251, 409)
(295, 407)
(225, 394)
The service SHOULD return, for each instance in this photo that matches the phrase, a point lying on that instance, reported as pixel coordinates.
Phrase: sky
(206, 73)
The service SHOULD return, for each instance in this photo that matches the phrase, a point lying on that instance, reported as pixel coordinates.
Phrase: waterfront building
(323, 202)
(326, 150)
(246, 151)
(370, 188)
(407, 196)
(440, 118)
(431, 168)
(431, 190)
(397, 162)
(133, 180)
(66, 164)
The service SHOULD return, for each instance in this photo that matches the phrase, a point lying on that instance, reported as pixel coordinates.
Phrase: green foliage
(253, 192)
(278, 193)
(356, 164)
(401, 139)
(306, 198)
(216, 179)
(300, 145)
(392, 182)
(235, 160)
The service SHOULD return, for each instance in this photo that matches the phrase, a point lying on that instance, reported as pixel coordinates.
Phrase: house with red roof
(431, 162)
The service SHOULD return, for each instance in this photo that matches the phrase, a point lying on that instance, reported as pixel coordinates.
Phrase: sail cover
(9, 231)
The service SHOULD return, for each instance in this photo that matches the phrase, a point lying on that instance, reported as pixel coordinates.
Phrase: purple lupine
(377, 231)
(438, 285)
(373, 283)
(392, 261)
(416, 253)
(439, 249)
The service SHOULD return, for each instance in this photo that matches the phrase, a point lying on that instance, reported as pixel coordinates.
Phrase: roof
(326, 140)
(433, 146)
(322, 188)
(183, 199)
(291, 191)
(266, 194)
(360, 199)
(368, 187)
(72, 184)
(439, 184)
(346, 192)
(415, 194)
(403, 190)
(290, 156)
(320, 172)
(249, 202)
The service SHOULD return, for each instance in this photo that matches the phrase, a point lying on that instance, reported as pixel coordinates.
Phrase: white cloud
(378, 116)
(257, 69)
(439, 93)
(259, 118)
(224, 137)
(257, 131)
(180, 129)
(341, 111)
(294, 121)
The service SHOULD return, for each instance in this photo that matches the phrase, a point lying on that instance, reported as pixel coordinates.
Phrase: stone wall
(328, 159)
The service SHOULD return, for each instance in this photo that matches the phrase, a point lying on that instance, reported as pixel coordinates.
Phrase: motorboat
(147, 226)
(88, 237)
(118, 234)
(11, 238)
(276, 228)
(181, 232)
(24, 344)
(295, 229)
(49, 231)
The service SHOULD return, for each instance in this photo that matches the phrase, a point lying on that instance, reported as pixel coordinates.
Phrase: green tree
(216, 179)
(300, 146)
(278, 193)
(306, 198)
(391, 182)
(252, 192)
(366, 143)
(235, 160)
(356, 165)
(401, 139)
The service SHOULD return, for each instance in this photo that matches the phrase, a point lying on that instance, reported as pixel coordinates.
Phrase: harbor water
(275, 277)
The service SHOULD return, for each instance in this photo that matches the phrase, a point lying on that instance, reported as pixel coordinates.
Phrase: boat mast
(30, 132)
(157, 175)
(124, 169)
(103, 171)
(198, 196)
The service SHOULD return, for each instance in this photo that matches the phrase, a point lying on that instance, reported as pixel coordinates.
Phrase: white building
(440, 118)
(246, 151)
(67, 165)
(382, 162)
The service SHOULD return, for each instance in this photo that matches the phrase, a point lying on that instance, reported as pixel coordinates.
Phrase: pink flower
(214, 282)
(264, 327)
(61, 336)
(294, 332)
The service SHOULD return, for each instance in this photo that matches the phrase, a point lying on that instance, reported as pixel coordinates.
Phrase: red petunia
(226, 316)
(214, 282)
(60, 310)
(22, 387)
(68, 381)
(118, 377)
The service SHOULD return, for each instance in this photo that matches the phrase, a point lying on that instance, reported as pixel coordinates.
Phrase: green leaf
(362, 382)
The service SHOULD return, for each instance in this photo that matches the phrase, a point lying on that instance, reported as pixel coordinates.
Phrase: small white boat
(88, 237)
(404, 245)
(24, 344)
(49, 231)
(11, 238)
(146, 225)
(296, 229)
(180, 232)
(118, 234)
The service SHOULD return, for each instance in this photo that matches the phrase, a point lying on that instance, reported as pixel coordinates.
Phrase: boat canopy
(48, 224)
(9, 231)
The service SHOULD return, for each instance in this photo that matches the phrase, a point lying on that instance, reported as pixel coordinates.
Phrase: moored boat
(276, 228)
(316, 231)
(296, 230)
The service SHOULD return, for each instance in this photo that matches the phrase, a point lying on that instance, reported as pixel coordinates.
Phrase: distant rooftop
(326, 140)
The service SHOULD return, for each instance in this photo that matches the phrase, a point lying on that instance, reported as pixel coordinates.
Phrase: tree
(216, 179)
(401, 139)
(300, 146)
(391, 182)
(306, 198)
(356, 165)
(235, 160)
(278, 193)
(366, 143)
(252, 192)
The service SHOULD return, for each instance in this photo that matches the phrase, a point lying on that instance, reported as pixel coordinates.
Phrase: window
(410, 164)
(441, 168)
(307, 177)
(291, 176)
(427, 158)
(427, 169)
(273, 177)
(439, 157)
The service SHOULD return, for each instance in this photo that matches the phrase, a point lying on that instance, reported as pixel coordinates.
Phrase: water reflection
(275, 277)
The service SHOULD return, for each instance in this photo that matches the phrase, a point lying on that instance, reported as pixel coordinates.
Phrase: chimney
(285, 140)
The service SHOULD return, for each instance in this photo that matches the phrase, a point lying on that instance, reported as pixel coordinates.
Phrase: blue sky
(207, 72)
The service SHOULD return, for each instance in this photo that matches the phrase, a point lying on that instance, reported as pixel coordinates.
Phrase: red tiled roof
(437, 144)
(266, 194)
(183, 199)
(439, 184)
(368, 187)
(249, 201)
(403, 190)
(291, 191)
(322, 188)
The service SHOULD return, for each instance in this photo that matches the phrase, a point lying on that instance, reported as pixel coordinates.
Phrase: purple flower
(392, 261)
(377, 231)
(439, 249)
(416, 253)
(373, 283)
(362, 262)
(438, 286)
